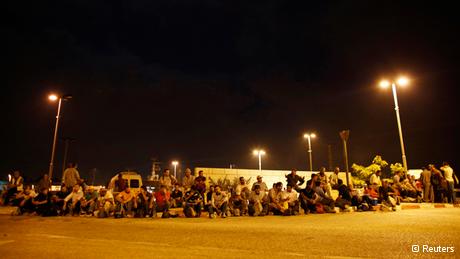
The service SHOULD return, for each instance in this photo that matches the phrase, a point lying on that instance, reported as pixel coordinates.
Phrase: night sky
(205, 82)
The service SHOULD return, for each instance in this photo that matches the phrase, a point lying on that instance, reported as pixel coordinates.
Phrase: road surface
(367, 234)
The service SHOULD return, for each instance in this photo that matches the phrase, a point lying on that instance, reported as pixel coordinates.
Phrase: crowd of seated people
(193, 198)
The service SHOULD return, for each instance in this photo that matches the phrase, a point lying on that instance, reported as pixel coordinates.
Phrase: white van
(133, 181)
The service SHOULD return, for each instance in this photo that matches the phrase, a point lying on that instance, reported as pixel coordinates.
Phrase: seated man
(162, 202)
(104, 204)
(278, 203)
(208, 199)
(308, 199)
(258, 202)
(125, 202)
(143, 203)
(87, 203)
(344, 200)
(240, 197)
(24, 200)
(312, 181)
(42, 203)
(192, 200)
(219, 202)
(58, 199)
(177, 196)
(387, 196)
(292, 200)
(326, 201)
(74, 197)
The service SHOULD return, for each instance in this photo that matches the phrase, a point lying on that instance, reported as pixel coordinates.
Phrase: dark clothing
(344, 191)
(436, 182)
(120, 185)
(176, 194)
(191, 203)
(47, 208)
(305, 203)
(43, 184)
(384, 192)
(294, 181)
(192, 196)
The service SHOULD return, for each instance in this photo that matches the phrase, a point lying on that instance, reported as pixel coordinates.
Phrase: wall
(269, 176)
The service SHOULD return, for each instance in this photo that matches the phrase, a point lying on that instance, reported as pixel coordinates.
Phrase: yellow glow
(175, 163)
(52, 97)
(403, 81)
(309, 135)
(256, 152)
(384, 84)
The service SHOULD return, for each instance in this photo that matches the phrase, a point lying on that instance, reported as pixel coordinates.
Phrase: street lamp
(402, 81)
(259, 153)
(53, 98)
(309, 136)
(175, 163)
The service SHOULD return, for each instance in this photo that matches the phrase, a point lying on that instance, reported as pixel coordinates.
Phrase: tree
(361, 174)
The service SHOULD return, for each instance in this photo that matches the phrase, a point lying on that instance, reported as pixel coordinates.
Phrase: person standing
(436, 181)
(45, 182)
(71, 177)
(450, 178)
(425, 177)
(295, 180)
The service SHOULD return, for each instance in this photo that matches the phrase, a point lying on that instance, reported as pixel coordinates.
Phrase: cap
(259, 176)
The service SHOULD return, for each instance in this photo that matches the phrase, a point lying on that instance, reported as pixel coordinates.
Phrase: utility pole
(344, 135)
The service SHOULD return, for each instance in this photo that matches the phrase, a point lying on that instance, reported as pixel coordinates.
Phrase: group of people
(434, 185)
(194, 198)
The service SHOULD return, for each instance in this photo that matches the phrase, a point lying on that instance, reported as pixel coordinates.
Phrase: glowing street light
(309, 136)
(175, 163)
(53, 98)
(259, 153)
(402, 81)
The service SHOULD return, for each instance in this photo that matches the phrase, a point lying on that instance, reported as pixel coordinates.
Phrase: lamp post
(259, 153)
(402, 81)
(175, 163)
(53, 98)
(309, 136)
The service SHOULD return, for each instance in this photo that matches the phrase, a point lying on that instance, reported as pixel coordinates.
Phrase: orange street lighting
(401, 81)
(259, 153)
(309, 136)
(53, 97)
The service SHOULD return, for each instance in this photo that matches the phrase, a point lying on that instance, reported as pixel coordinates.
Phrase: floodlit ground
(369, 234)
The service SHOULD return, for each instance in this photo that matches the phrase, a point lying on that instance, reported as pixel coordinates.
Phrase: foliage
(362, 173)
(396, 167)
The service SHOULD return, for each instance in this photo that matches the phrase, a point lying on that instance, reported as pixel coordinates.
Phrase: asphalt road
(368, 234)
